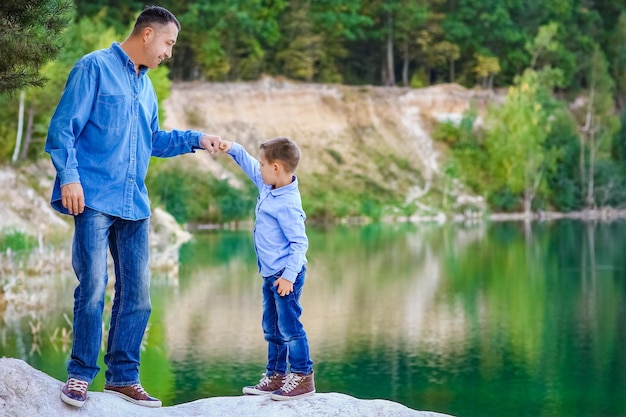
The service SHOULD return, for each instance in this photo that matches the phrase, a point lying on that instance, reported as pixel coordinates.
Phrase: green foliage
(468, 157)
(417, 80)
(194, 196)
(543, 43)
(617, 54)
(564, 177)
(302, 50)
(162, 86)
(16, 241)
(229, 39)
(514, 140)
(335, 155)
(610, 189)
(115, 14)
(600, 122)
(447, 132)
(29, 34)
(618, 145)
(351, 40)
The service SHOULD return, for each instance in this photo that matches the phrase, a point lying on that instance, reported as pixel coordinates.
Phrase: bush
(16, 241)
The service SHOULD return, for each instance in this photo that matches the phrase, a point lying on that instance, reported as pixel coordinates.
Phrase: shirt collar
(287, 188)
(123, 56)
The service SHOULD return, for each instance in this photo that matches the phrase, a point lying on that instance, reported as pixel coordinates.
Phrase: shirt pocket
(111, 111)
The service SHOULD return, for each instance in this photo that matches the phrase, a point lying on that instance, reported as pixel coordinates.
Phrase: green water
(474, 321)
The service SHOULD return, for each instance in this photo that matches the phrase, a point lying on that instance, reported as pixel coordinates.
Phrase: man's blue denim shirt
(104, 131)
(280, 238)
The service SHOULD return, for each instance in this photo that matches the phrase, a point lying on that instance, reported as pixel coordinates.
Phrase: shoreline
(605, 214)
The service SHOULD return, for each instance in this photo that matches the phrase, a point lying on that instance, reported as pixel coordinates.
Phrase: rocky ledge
(26, 392)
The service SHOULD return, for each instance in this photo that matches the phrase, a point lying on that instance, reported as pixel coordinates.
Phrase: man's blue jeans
(284, 333)
(95, 233)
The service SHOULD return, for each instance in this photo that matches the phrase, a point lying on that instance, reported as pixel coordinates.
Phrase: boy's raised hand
(225, 145)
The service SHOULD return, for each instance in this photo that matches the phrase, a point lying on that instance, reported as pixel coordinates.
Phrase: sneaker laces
(291, 382)
(139, 389)
(266, 380)
(78, 385)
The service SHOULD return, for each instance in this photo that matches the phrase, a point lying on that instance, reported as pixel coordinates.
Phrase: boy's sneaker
(74, 392)
(266, 386)
(295, 386)
(133, 393)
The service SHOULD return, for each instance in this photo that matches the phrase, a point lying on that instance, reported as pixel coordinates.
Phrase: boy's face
(268, 170)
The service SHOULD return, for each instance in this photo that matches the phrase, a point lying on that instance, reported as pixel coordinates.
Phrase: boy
(280, 242)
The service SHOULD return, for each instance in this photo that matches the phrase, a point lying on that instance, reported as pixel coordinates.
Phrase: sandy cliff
(362, 136)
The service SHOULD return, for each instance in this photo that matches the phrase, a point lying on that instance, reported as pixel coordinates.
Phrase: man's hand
(210, 142)
(285, 287)
(73, 198)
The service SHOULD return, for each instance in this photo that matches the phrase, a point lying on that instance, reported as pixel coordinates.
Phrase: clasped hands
(211, 143)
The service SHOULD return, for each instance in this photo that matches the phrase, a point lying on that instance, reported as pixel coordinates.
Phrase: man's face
(158, 44)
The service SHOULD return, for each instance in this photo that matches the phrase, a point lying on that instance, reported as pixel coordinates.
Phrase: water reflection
(469, 321)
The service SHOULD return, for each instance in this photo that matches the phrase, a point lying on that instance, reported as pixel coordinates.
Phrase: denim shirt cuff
(195, 141)
(69, 176)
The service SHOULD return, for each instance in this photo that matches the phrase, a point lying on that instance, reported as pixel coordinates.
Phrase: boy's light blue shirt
(280, 238)
(104, 131)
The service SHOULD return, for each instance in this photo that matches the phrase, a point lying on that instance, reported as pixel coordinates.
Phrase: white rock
(27, 392)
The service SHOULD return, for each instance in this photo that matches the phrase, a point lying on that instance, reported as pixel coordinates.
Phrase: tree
(515, 140)
(411, 16)
(618, 58)
(86, 35)
(302, 47)
(337, 22)
(230, 39)
(600, 122)
(486, 68)
(486, 28)
(447, 53)
(543, 42)
(30, 37)
(434, 50)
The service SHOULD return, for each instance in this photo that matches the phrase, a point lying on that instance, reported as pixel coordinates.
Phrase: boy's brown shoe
(295, 386)
(133, 393)
(266, 386)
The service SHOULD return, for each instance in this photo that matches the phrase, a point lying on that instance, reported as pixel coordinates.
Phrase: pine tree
(30, 37)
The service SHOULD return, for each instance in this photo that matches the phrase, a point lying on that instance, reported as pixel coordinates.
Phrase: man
(100, 140)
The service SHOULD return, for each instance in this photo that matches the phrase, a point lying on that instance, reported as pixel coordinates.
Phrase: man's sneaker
(266, 385)
(74, 392)
(295, 386)
(133, 393)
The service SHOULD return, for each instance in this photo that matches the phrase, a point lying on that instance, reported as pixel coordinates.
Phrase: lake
(477, 320)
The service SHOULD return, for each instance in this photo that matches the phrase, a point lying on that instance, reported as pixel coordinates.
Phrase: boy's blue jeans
(284, 333)
(95, 233)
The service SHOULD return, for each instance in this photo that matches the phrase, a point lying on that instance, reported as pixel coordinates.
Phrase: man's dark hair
(152, 15)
